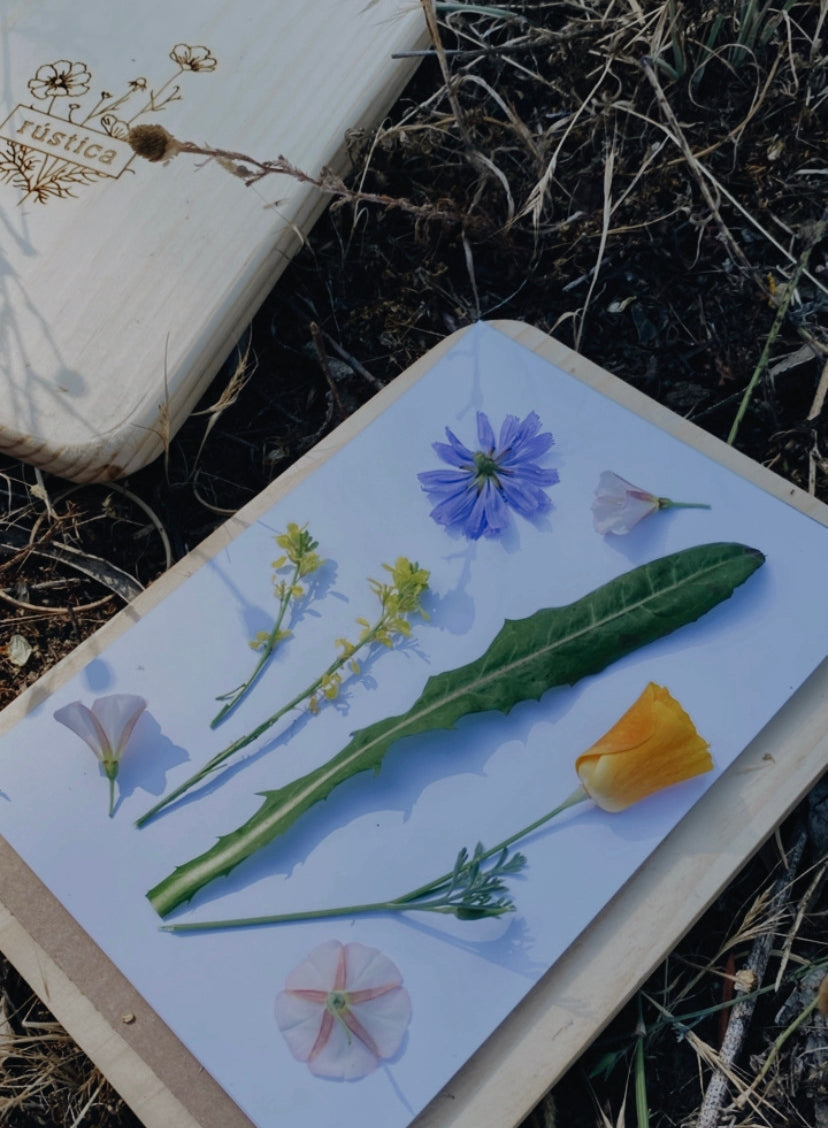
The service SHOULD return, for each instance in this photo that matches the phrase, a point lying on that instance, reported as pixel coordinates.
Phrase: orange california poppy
(653, 746)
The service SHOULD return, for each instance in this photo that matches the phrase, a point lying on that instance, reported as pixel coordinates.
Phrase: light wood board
(564, 1012)
(125, 284)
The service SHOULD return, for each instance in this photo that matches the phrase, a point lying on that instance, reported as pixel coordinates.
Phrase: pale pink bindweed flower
(106, 728)
(343, 1010)
(619, 505)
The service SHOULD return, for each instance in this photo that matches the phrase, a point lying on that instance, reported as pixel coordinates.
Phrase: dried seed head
(745, 980)
(153, 142)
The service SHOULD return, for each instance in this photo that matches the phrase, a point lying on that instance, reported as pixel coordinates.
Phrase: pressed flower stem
(416, 900)
(110, 768)
(220, 757)
(666, 503)
(577, 796)
(236, 695)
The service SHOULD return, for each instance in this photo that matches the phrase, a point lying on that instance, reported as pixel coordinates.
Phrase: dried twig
(155, 143)
(781, 314)
(819, 395)
(742, 1011)
(609, 168)
(322, 357)
(242, 372)
(352, 361)
(429, 11)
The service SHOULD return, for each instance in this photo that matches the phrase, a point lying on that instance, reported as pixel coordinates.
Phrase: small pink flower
(619, 505)
(343, 1010)
(106, 728)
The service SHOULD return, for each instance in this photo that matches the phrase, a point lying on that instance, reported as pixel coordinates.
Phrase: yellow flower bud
(653, 746)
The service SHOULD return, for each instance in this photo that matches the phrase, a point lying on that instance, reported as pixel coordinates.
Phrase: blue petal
(458, 447)
(489, 515)
(537, 475)
(528, 451)
(514, 434)
(451, 455)
(497, 512)
(454, 510)
(440, 480)
(485, 434)
(523, 498)
(475, 524)
(509, 433)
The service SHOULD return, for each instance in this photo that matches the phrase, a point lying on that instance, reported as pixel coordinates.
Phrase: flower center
(337, 1003)
(485, 467)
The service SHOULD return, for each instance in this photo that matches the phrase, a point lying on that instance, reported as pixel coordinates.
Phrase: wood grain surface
(124, 283)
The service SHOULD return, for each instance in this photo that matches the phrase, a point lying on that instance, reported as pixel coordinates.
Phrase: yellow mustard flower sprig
(399, 599)
(299, 559)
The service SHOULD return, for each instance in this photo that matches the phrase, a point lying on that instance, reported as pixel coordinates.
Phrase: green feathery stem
(467, 892)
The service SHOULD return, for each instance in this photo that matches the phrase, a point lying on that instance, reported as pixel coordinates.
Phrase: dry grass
(645, 179)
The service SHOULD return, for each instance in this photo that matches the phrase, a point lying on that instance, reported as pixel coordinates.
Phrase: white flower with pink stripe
(343, 1010)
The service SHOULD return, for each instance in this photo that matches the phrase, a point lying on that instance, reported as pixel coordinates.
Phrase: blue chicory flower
(486, 483)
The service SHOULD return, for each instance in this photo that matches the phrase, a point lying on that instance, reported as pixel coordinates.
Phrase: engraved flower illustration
(193, 58)
(60, 79)
(343, 1010)
(115, 127)
(42, 174)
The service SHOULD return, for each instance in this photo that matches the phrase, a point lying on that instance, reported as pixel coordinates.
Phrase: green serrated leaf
(556, 646)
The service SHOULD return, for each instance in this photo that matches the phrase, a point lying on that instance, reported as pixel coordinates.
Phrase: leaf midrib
(335, 766)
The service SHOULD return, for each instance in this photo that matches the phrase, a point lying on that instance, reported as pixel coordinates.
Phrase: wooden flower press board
(564, 1010)
(123, 285)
